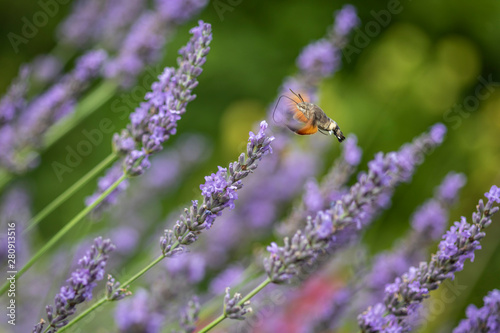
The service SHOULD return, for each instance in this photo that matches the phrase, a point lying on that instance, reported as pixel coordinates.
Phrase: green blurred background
(409, 76)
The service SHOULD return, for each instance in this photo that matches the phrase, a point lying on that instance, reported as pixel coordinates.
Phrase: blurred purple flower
(346, 19)
(43, 111)
(430, 218)
(453, 182)
(351, 152)
(142, 46)
(438, 132)
(190, 266)
(320, 59)
(231, 276)
(14, 101)
(179, 11)
(485, 319)
(136, 315)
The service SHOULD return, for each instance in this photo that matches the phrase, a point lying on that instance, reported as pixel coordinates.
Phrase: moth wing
(309, 128)
(300, 116)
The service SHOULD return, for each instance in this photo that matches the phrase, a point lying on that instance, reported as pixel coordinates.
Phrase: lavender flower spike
(485, 319)
(79, 288)
(219, 192)
(405, 295)
(155, 120)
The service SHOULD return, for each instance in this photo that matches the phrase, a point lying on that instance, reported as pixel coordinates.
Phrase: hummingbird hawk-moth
(309, 119)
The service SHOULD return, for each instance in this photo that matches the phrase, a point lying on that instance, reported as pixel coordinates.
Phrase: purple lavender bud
(80, 285)
(485, 319)
(14, 100)
(493, 194)
(346, 19)
(320, 59)
(136, 163)
(113, 290)
(450, 186)
(438, 132)
(374, 320)
(123, 143)
(179, 11)
(231, 308)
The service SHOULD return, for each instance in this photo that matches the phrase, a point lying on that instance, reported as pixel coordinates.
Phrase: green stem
(85, 107)
(70, 191)
(251, 294)
(64, 230)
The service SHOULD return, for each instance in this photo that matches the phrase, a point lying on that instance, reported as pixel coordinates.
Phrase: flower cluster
(322, 58)
(24, 130)
(155, 120)
(146, 39)
(485, 319)
(428, 224)
(336, 226)
(98, 22)
(79, 288)
(219, 192)
(404, 296)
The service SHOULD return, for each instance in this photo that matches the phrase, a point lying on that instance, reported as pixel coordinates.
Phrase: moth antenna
(279, 99)
(298, 95)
